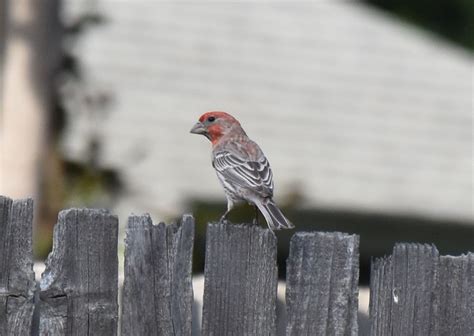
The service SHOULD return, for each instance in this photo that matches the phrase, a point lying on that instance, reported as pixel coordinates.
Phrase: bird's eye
(211, 119)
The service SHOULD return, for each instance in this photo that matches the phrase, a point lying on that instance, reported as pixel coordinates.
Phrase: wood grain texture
(322, 284)
(240, 281)
(79, 286)
(17, 281)
(455, 314)
(157, 294)
(415, 291)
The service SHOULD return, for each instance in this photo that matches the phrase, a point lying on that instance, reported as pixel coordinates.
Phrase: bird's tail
(273, 215)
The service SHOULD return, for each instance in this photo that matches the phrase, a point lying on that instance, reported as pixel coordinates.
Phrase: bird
(241, 167)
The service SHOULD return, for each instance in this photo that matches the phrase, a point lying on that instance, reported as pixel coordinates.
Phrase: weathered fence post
(240, 281)
(79, 286)
(456, 290)
(17, 281)
(416, 292)
(157, 292)
(322, 284)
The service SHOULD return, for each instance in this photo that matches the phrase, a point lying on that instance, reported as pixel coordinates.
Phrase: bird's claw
(223, 220)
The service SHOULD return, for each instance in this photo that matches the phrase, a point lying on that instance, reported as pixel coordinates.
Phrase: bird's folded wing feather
(254, 175)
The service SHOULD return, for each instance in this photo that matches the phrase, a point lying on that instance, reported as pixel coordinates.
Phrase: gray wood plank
(17, 281)
(240, 281)
(455, 313)
(322, 284)
(403, 289)
(417, 292)
(79, 286)
(413, 268)
(380, 296)
(157, 293)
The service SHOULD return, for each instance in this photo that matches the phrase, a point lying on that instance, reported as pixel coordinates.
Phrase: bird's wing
(248, 174)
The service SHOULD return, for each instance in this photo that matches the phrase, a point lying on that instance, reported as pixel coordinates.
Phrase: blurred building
(354, 109)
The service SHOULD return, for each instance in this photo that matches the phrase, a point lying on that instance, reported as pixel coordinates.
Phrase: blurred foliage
(70, 69)
(452, 19)
(85, 182)
(378, 232)
(90, 187)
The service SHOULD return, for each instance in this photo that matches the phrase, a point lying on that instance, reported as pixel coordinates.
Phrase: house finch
(241, 167)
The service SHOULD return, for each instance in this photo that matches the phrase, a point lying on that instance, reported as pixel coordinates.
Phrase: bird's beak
(199, 128)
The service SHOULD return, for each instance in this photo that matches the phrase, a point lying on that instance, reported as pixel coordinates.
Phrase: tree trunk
(31, 57)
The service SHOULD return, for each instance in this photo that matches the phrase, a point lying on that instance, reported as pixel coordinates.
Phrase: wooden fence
(414, 291)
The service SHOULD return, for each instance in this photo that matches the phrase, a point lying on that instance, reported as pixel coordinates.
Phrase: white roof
(352, 108)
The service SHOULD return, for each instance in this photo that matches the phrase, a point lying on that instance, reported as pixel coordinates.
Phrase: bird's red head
(215, 124)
